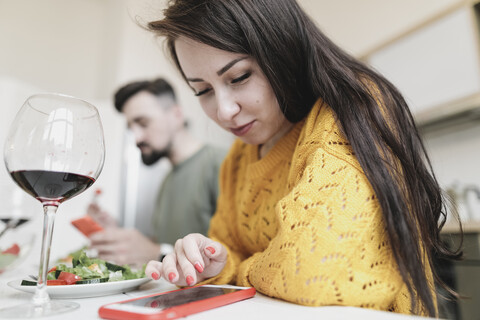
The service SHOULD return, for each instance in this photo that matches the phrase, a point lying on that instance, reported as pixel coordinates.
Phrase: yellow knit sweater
(303, 223)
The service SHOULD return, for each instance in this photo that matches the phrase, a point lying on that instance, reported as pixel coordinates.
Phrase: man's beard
(149, 159)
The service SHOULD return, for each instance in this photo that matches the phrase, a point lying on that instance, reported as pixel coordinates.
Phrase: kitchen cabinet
(436, 65)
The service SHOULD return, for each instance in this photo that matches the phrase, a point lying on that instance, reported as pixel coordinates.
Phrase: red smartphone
(175, 304)
(87, 225)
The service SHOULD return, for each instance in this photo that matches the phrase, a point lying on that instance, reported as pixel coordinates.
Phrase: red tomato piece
(56, 282)
(68, 277)
(53, 269)
(14, 249)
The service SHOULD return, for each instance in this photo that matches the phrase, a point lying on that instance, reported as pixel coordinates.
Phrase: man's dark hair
(157, 87)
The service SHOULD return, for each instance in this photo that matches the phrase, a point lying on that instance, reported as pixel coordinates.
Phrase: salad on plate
(86, 270)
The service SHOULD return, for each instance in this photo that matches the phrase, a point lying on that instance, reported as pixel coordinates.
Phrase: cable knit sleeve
(331, 247)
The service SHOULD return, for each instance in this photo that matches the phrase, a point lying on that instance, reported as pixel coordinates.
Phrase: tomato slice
(14, 249)
(53, 269)
(68, 277)
(56, 282)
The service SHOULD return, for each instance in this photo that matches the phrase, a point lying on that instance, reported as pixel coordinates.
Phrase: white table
(259, 307)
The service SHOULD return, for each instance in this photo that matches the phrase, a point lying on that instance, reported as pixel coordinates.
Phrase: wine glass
(54, 151)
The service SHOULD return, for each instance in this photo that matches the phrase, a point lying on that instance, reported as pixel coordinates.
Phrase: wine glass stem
(41, 294)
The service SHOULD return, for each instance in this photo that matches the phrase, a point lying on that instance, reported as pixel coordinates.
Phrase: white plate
(85, 290)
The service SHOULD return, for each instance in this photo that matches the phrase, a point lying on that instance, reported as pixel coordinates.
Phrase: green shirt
(188, 196)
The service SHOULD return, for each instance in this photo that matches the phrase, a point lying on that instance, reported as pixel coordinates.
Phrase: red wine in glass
(51, 187)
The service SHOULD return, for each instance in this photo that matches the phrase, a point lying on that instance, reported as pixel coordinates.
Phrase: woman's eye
(202, 92)
(241, 78)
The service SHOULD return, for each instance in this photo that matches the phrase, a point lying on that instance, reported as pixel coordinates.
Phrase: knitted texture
(303, 223)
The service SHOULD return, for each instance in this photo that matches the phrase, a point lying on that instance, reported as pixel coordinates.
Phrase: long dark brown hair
(302, 64)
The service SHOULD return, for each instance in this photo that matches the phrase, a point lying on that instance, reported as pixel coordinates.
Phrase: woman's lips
(240, 131)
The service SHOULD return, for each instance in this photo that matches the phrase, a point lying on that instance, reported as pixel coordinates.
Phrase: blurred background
(430, 49)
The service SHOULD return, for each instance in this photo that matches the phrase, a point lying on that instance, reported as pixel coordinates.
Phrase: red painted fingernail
(211, 249)
(189, 280)
(171, 276)
(198, 267)
(155, 276)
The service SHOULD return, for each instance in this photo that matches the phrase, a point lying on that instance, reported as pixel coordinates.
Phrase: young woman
(327, 197)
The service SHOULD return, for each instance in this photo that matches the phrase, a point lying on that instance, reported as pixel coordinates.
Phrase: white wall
(66, 46)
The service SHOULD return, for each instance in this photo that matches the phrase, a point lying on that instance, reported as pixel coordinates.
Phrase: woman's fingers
(169, 265)
(188, 268)
(207, 256)
(214, 251)
(154, 269)
(192, 247)
(194, 259)
(199, 250)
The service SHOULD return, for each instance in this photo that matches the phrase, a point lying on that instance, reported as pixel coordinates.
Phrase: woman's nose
(227, 108)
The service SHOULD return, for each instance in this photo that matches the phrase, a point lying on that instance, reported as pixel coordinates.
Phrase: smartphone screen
(176, 298)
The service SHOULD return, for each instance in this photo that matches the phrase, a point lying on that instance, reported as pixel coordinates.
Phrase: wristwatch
(165, 248)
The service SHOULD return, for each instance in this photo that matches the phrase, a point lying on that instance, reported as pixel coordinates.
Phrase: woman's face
(234, 92)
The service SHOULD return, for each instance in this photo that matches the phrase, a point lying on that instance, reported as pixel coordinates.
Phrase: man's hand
(102, 217)
(124, 246)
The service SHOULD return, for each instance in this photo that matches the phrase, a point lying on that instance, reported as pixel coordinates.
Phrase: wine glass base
(31, 310)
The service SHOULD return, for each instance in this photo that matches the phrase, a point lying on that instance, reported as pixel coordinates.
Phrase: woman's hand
(194, 259)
